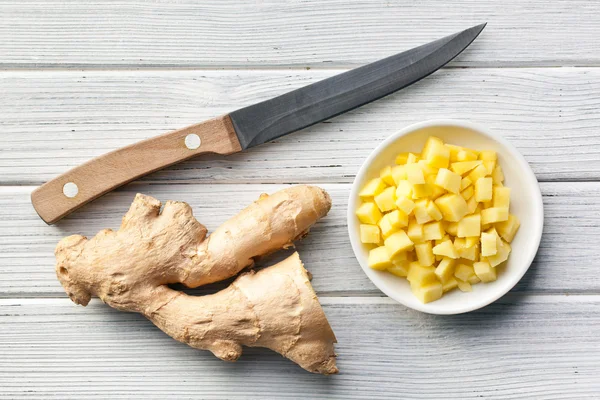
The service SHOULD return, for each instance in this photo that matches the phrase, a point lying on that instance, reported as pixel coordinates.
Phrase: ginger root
(275, 308)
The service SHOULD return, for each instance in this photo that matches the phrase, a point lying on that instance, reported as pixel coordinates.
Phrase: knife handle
(71, 190)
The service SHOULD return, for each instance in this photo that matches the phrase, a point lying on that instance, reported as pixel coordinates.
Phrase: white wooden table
(80, 78)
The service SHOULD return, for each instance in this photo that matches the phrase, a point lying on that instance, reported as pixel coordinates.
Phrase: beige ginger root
(275, 308)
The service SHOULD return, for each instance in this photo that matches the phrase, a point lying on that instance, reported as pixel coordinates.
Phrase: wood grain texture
(27, 244)
(55, 120)
(50, 347)
(189, 33)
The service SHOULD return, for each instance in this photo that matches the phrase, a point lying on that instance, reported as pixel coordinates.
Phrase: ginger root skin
(276, 308)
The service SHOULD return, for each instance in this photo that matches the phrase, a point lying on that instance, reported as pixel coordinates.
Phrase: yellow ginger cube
(463, 272)
(466, 155)
(397, 218)
(483, 189)
(398, 174)
(445, 269)
(472, 205)
(451, 228)
(421, 214)
(386, 200)
(421, 191)
(479, 171)
(419, 275)
(433, 231)
(372, 188)
(467, 193)
(436, 153)
(404, 189)
(448, 180)
(484, 271)
(502, 251)
(469, 226)
(436, 191)
(398, 242)
(386, 175)
(488, 155)
(498, 175)
(450, 284)
(459, 244)
(401, 158)
(464, 286)
(412, 158)
(463, 167)
(494, 214)
(433, 211)
(368, 213)
(379, 259)
(445, 249)
(399, 270)
(453, 152)
(501, 197)
(488, 243)
(405, 205)
(424, 254)
(386, 227)
(427, 169)
(508, 228)
(465, 183)
(428, 293)
(415, 231)
(452, 206)
(471, 241)
(401, 258)
(490, 166)
(369, 233)
(414, 174)
(469, 253)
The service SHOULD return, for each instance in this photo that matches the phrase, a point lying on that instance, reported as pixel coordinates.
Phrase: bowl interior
(526, 204)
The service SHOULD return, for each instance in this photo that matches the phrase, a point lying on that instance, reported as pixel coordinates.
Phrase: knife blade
(249, 126)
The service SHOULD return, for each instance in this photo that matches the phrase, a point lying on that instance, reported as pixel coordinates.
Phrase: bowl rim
(528, 175)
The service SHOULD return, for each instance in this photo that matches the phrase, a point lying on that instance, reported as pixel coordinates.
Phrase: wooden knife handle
(71, 190)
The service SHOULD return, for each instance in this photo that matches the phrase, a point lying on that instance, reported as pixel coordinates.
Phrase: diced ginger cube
(453, 207)
(368, 213)
(398, 242)
(436, 153)
(465, 183)
(469, 253)
(420, 211)
(405, 205)
(490, 165)
(424, 254)
(433, 211)
(428, 293)
(483, 189)
(466, 155)
(419, 275)
(445, 269)
(451, 228)
(498, 175)
(463, 272)
(479, 171)
(433, 231)
(472, 205)
(436, 191)
(494, 214)
(369, 233)
(397, 218)
(468, 193)
(507, 229)
(372, 188)
(464, 286)
(488, 155)
(386, 227)
(386, 200)
(404, 189)
(414, 174)
(399, 270)
(398, 174)
(453, 152)
(400, 258)
(463, 167)
(470, 225)
(445, 249)
(488, 243)
(401, 158)
(386, 175)
(415, 231)
(448, 180)
(420, 191)
(427, 168)
(450, 284)
(379, 259)
(501, 197)
(484, 271)
(412, 158)
(473, 279)
(471, 241)
(459, 244)
(503, 250)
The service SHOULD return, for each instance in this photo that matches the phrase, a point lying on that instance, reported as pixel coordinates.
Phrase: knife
(247, 127)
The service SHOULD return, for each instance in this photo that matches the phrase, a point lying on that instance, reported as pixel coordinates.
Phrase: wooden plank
(273, 33)
(55, 120)
(566, 263)
(51, 347)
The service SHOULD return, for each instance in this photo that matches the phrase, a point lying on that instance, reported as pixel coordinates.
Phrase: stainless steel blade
(268, 120)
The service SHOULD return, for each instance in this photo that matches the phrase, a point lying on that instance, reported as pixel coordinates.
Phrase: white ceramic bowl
(526, 204)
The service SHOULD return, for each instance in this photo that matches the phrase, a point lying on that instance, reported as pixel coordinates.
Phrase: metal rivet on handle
(70, 190)
(192, 141)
